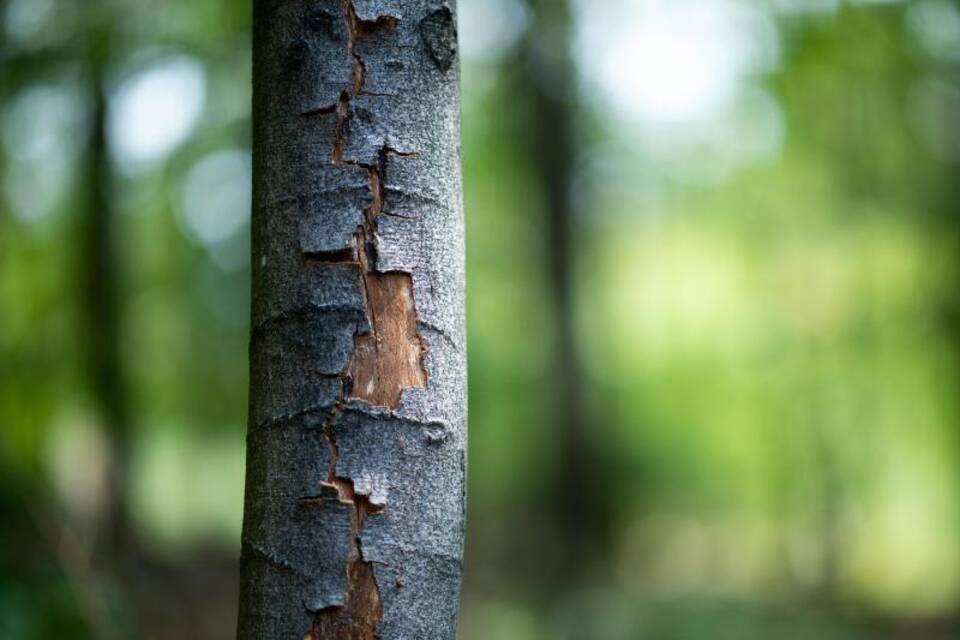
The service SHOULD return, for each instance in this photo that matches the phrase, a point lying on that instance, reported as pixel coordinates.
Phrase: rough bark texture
(354, 511)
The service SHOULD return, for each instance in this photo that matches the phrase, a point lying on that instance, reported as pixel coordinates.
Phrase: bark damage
(389, 358)
(385, 361)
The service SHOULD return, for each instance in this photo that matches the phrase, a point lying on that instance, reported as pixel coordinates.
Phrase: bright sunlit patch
(669, 61)
(874, 2)
(216, 196)
(806, 6)
(78, 458)
(43, 132)
(25, 20)
(936, 24)
(665, 75)
(490, 27)
(40, 123)
(750, 131)
(905, 559)
(186, 488)
(680, 81)
(154, 111)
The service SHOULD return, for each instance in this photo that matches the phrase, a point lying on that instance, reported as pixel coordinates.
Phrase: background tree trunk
(353, 517)
(102, 275)
(577, 501)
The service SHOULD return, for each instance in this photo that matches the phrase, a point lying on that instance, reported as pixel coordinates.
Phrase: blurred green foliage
(770, 332)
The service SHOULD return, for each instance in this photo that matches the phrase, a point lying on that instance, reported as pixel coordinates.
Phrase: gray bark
(354, 508)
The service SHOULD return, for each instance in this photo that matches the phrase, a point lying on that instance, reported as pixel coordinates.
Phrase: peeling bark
(353, 516)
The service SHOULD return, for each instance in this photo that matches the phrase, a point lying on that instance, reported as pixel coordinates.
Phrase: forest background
(713, 314)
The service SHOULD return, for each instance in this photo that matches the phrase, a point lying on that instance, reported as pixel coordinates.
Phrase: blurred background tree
(713, 312)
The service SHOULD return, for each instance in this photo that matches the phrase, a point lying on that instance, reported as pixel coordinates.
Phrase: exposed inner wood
(358, 618)
(388, 359)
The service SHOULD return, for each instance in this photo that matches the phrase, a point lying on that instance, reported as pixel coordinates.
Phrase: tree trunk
(577, 494)
(102, 274)
(354, 509)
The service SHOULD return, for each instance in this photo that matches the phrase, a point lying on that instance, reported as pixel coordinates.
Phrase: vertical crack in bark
(362, 609)
(385, 360)
(389, 358)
